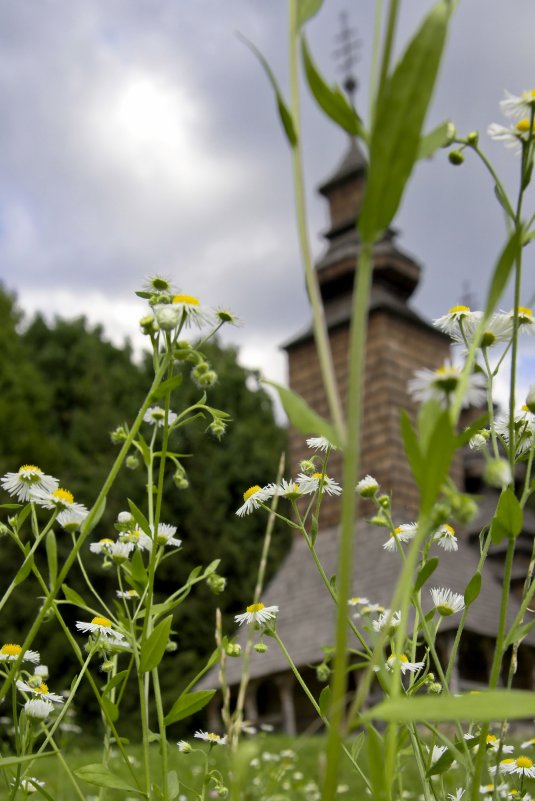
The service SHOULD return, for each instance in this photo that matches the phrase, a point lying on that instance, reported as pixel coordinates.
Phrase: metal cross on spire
(347, 54)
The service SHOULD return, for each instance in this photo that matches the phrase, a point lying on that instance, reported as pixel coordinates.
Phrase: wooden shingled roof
(306, 616)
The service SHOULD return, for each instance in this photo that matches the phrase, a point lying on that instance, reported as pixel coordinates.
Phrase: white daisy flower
(289, 490)
(38, 709)
(522, 766)
(524, 428)
(494, 744)
(446, 601)
(320, 444)
(128, 595)
(445, 537)
(165, 537)
(383, 621)
(71, 519)
(257, 613)
(210, 737)
(498, 329)
(371, 609)
(135, 536)
(99, 625)
(41, 671)
(228, 316)
(518, 105)
(404, 533)
(9, 652)
(254, 497)
(102, 546)
(437, 752)
(184, 746)
(367, 487)
(41, 690)
(358, 600)
(155, 415)
(449, 323)
(526, 320)
(441, 384)
(60, 499)
(514, 136)
(310, 484)
(28, 478)
(405, 665)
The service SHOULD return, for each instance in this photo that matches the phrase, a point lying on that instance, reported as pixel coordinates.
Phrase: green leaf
(509, 513)
(473, 588)
(306, 9)
(153, 649)
(137, 575)
(484, 707)
(73, 598)
(166, 387)
(401, 109)
(437, 461)
(412, 447)
(212, 567)
(52, 557)
(187, 704)
(325, 701)
(376, 762)
(502, 271)
(425, 572)
(503, 200)
(434, 140)
(140, 518)
(332, 100)
(305, 419)
(92, 519)
(284, 112)
(104, 777)
(518, 634)
(26, 567)
(173, 786)
(110, 709)
(114, 681)
(10, 505)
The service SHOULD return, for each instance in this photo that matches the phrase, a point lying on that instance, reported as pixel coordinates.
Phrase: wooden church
(399, 342)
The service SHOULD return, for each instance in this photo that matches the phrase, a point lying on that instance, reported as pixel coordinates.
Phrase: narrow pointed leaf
(153, 649)
(303, 417)
(399, 119)
(425, 572)
(518, 633)
(509, 513)
(486, 706)
(284, 112)
(166, 387)
(140, 518)
(332, 100)
(325, 701)
(306, 9)
(52, 557)
(434, 140)
(502, 271)
(187, 704)
(473, 588)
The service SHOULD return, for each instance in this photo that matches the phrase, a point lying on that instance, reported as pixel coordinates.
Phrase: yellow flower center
(132, 593)
(523, 126)
(317, 475)
(524, 312)
(215, 738)
(255, 607)
(9, 649)
(396, 532)
(250, 492)
(43, 688)
(507, 761)
(403, 659)
(63, 495)
(524, 762)
(491, 738)
(102, 621)
(30, 468)
(189, 299)
(449, 529)
(457, 309)
(106, 541)
(489, 788)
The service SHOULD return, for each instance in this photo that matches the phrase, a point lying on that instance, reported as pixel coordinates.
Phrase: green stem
(318, 317)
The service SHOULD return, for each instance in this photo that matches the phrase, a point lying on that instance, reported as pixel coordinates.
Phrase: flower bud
(307, 466)
(451, 133)
(107, 666)
(119, 435)
(167, 316)
(498, 473)
(171, 647)
(478, 441)
(456, 157)
(473, 138)
(367, 487)
(323, 672)
(216, 583)
(384, 501)
(530, 399)
(379, 520)
(204, 379)
(233, 649)
(159, 284)
(132, 462)
(3, 529)
(217, 427)
(260, 647)
(147, 324)
(434, 689)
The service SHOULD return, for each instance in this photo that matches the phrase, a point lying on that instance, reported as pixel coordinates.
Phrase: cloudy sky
(140, 137)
